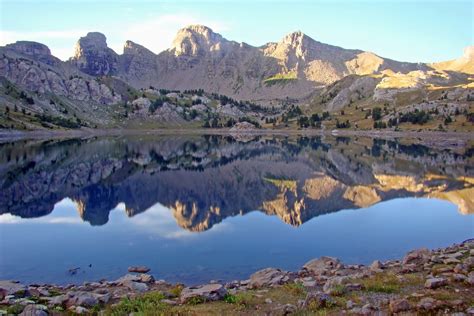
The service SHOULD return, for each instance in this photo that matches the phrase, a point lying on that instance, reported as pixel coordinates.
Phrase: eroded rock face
(36, 50)
(37, 78)
(207, 292)
(93, 57)
(196, 40)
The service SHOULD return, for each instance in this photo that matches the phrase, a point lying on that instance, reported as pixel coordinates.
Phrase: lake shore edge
(434, 137)
(437, 281)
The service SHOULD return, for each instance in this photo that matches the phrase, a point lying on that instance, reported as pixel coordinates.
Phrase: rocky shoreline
(431, 282)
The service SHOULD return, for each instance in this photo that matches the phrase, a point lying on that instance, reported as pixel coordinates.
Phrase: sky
(416, 31)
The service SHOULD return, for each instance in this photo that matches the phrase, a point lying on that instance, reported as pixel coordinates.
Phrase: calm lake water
(197, 208)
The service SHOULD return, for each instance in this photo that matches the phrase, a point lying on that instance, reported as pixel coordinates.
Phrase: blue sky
(404, 30)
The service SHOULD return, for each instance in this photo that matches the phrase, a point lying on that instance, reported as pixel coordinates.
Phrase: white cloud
(158, 33)
(11, 219)
(154, 32)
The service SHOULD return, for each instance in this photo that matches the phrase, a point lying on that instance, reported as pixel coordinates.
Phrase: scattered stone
(321, 265)
(436, 259)
(139, 269)
(376, 265)
(11, 287)
(334, 284)
(83, 299)
(353, 287)
(368, 309)
(34, 310)
(209, 292)
(136, 286)
(245, 282)
(349, 304)
(24, 301)
(267, 277)
(399, 305)
(451, 261)
(456, 277)
(309, 283)
(146, 278)
(418, 256)
(289, 309)
(128, 278)
(427, 304)
(80, 310)
(434, 283)
(169, 302)
(470, 278)
(218, 281)
(460, 268)
(318, 300)
(58, 300)
(268, 301)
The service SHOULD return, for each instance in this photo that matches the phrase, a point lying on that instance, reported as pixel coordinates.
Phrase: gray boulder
(208, 292)
(11, 288)
(322, 265)
(268, 277)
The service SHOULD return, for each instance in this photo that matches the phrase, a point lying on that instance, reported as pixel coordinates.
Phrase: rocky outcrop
(140, 65)
(93, 57)
(197, 40)
(47, 76)
(37, 51)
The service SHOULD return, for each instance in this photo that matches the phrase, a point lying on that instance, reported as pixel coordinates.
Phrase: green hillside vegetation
(281, 79)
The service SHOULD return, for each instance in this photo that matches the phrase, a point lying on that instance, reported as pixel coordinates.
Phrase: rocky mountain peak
(92, 41)
(37, 51)
(92, 55)
(296, 39)
(196, 40)
(132, 48)
(30, 48)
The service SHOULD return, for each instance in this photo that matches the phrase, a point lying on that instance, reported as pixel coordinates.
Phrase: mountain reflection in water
(205, 179)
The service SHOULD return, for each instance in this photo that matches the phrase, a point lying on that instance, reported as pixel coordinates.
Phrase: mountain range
(296, 69)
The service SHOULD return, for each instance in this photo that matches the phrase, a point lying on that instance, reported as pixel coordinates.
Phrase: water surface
(196, 208)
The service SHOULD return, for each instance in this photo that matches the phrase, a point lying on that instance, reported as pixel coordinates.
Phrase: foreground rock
(268, 277)
(425, 281)
(10, 288)
(208, 292)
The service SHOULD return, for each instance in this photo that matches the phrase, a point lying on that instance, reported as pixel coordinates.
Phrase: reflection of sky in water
(43, 249)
